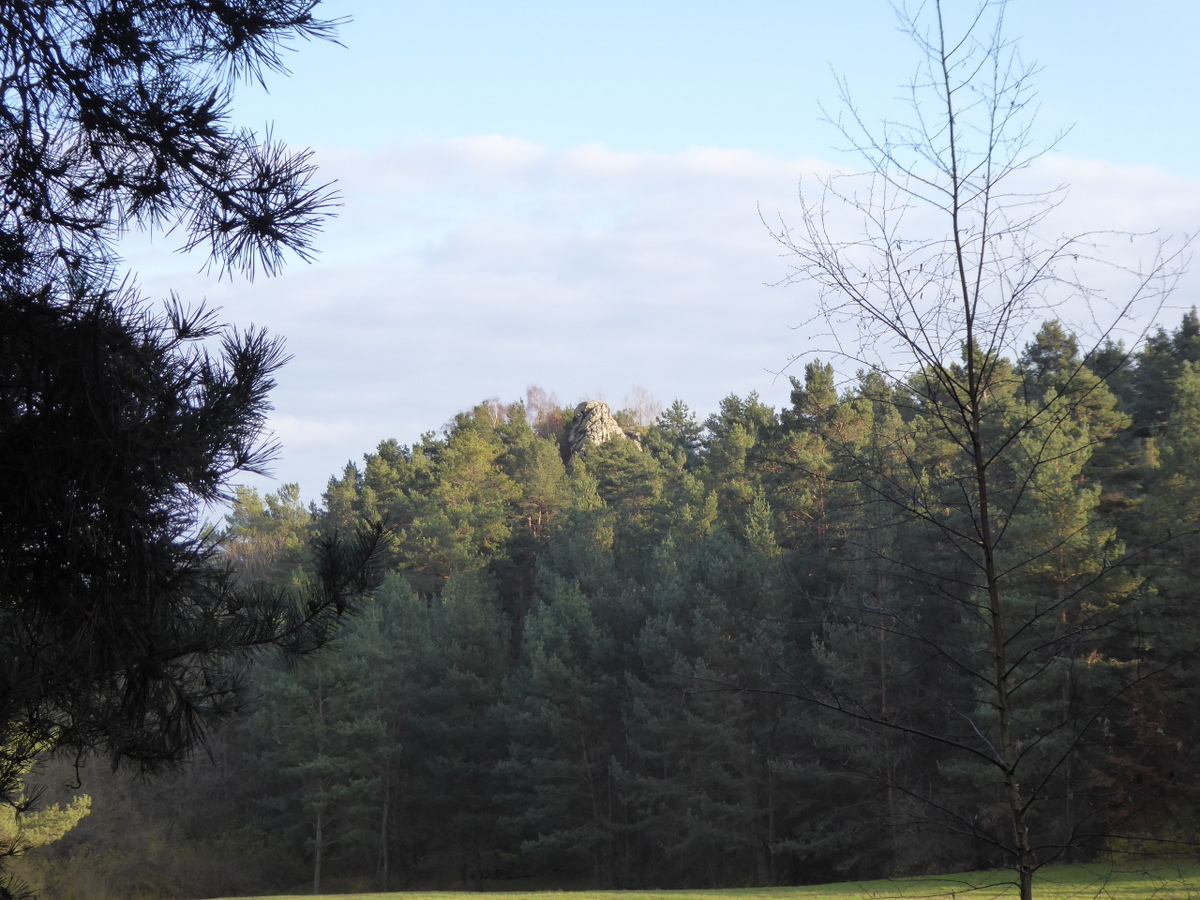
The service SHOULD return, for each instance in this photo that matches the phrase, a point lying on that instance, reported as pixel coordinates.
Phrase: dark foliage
(114, 114)
(119, 630)
(115, 425)
(661, 672)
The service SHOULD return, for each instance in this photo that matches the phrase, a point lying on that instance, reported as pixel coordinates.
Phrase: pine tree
(322, 738)
(120, 422)
(564, 714)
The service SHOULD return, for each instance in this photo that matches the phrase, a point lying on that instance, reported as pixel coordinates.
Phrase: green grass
(1096, 882)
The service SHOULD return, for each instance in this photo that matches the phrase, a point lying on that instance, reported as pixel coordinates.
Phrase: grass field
(1165, 882)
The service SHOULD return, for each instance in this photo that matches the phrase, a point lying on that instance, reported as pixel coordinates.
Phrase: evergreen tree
(22, 827)
(322, 738)
(458, 730)
(269, 538)
(718, 776)
(1152, 750)
(119, 423)
(466, 517)
(564, 714)
(676, 433)
(739, 441)
(535, 466)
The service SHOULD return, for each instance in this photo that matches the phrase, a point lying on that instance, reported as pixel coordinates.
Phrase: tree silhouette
(119, 628)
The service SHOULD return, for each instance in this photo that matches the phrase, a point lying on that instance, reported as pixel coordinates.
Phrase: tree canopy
(734, 665)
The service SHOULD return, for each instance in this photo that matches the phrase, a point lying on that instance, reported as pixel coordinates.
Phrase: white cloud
(470, 268)
(311, 433)
(497, 150)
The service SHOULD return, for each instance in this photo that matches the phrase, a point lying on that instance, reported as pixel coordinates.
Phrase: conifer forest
(747, 649)
(938, 613)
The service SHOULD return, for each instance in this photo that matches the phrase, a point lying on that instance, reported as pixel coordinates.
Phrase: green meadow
(1165, 882)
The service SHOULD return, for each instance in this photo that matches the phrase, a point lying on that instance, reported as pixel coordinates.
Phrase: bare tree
(643, 407)
(935, 262)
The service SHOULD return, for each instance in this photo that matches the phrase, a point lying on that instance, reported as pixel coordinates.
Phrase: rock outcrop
(593, 425)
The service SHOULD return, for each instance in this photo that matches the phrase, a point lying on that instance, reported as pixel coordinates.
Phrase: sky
(580, 195)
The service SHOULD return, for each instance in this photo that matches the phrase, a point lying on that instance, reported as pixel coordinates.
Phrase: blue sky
(568, 194)
(667, 75)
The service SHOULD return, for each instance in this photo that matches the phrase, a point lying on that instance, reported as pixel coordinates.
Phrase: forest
(732, 651)
(936, 614)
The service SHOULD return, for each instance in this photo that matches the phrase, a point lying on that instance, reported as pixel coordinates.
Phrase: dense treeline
(706, 657)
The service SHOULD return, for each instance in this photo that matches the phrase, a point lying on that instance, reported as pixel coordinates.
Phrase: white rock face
(593, 425)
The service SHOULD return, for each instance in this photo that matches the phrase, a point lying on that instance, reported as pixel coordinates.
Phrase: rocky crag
(592, 425)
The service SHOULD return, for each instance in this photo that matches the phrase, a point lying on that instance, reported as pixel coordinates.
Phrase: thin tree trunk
(318, 850)
(889, 756)
(772, 867)
(1004, 706)
(384, 857)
